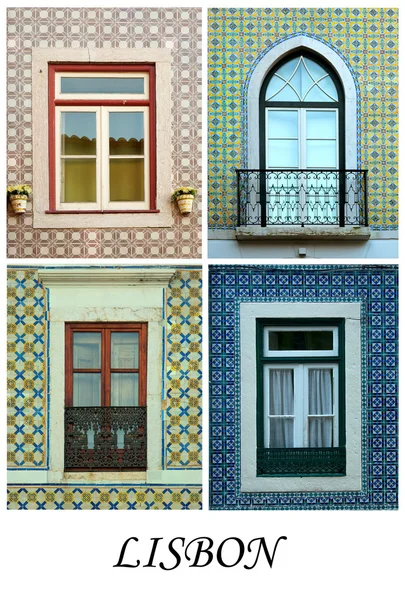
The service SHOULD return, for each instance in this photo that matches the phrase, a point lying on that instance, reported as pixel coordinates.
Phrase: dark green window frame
(300, 462)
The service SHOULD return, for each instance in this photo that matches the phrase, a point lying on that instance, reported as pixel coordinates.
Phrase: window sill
(315, 232)
(99, 212)
(49, 219)
(104, 476)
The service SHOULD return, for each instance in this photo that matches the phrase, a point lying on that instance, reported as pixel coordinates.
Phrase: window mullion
(105, 166)
(298, 406)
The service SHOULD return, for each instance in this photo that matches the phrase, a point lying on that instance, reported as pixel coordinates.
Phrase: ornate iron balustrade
(105, 437)
(301, 461)
(302, 197)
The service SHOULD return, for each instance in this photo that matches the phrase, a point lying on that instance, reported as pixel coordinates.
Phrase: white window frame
(294, 353)
(302, 136)
(42, 216)
(102, 160)
(59, 95)
(249, 313)
(301, 401)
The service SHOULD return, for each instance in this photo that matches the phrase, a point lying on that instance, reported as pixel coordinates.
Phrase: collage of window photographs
(202, 258)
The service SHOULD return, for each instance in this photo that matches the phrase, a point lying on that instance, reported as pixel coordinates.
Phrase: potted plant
(184, 197)
(18, 196)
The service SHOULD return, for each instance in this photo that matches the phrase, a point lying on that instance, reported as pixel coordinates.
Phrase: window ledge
(99, 212)
(315, 232)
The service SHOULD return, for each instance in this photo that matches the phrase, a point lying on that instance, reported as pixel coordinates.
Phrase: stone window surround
(106, 295)
(266, 64)
(40, 59)
(249, 312)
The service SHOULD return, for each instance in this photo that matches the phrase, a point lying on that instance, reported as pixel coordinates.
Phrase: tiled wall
(366, 39)
(28, 401)
(376, 287)
(174, 28)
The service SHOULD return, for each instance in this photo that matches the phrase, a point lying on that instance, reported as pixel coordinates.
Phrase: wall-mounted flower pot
(19, 203)
(185, 203)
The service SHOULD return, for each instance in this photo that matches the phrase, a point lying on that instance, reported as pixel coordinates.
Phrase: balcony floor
(294, 232)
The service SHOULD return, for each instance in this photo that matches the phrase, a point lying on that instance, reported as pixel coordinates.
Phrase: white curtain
(320, 403)
(281, 403)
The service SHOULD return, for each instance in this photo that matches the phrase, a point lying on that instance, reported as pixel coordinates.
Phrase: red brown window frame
(105, 367)
(53, 102)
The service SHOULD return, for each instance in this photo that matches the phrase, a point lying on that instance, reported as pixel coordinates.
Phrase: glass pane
(86, 350)
(102, 85)
(300, 340)
(282, 124)
(124, 389)
(124, 350)
(282, 154)
(126, 133)
(316, 94)
(320, 391)
(78, 133)
(321, 154)
(321, 124)
(281, 433)
(86, 389)
(281, 391)
(321, 432)
(127, 180)
(284, 92)
(78, 180)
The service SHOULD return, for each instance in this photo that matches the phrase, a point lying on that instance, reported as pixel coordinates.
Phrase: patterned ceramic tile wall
(27, 365)
(174, 28)
(376, 287)
(103, 497)
(366, 39)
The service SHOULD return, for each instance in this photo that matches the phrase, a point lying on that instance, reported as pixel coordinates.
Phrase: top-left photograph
(104, 133)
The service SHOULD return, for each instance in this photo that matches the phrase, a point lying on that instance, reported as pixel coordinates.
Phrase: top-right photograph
(303, 133)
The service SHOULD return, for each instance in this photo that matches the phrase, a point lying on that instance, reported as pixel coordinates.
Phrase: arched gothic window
(302, 115)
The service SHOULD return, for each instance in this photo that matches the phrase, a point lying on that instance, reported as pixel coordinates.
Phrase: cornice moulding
(106, 277)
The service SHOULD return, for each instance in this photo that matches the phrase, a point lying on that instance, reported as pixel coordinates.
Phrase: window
(300, 398)
(102, 138)
(302, 110)
(301, 140)
(105, 396)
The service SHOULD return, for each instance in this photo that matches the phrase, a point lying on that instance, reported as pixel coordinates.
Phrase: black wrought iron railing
(302, 197)
(105, 438)
(301, 461)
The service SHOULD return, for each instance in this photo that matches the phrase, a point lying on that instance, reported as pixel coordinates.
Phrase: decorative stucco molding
(106, 277)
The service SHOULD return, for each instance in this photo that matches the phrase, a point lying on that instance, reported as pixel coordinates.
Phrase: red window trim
(54, 68)
(105, 366)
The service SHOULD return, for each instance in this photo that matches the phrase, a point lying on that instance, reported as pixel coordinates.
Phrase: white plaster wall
(374, 248)
(249, 312)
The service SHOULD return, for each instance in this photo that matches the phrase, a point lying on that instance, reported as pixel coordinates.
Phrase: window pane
(281, 391)
(78, 133)
(127, 180)
(300, 340)
(282, 154)
(320, 391)
(321, 124)
(321, 432)
(321, 154)
(316, 94)
(124, 350)
(126, 133)
(124, 389)
(281, 433)
(86, 350)
(86, 389)
(78, 180)
(102, 85)
(282, 124)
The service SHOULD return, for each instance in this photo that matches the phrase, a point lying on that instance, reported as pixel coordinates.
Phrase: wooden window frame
(304, 359)
(105, 364)
(55, 100)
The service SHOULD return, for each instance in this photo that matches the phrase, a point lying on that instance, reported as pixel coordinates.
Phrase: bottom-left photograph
(104, 403)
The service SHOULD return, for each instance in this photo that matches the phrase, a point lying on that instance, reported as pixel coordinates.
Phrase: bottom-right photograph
(303, 387)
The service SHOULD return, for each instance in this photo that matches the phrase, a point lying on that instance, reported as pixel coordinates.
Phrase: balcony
(104, 438)
(316, 200)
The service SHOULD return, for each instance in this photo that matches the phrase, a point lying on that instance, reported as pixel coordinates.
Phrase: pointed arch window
(302, 115)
